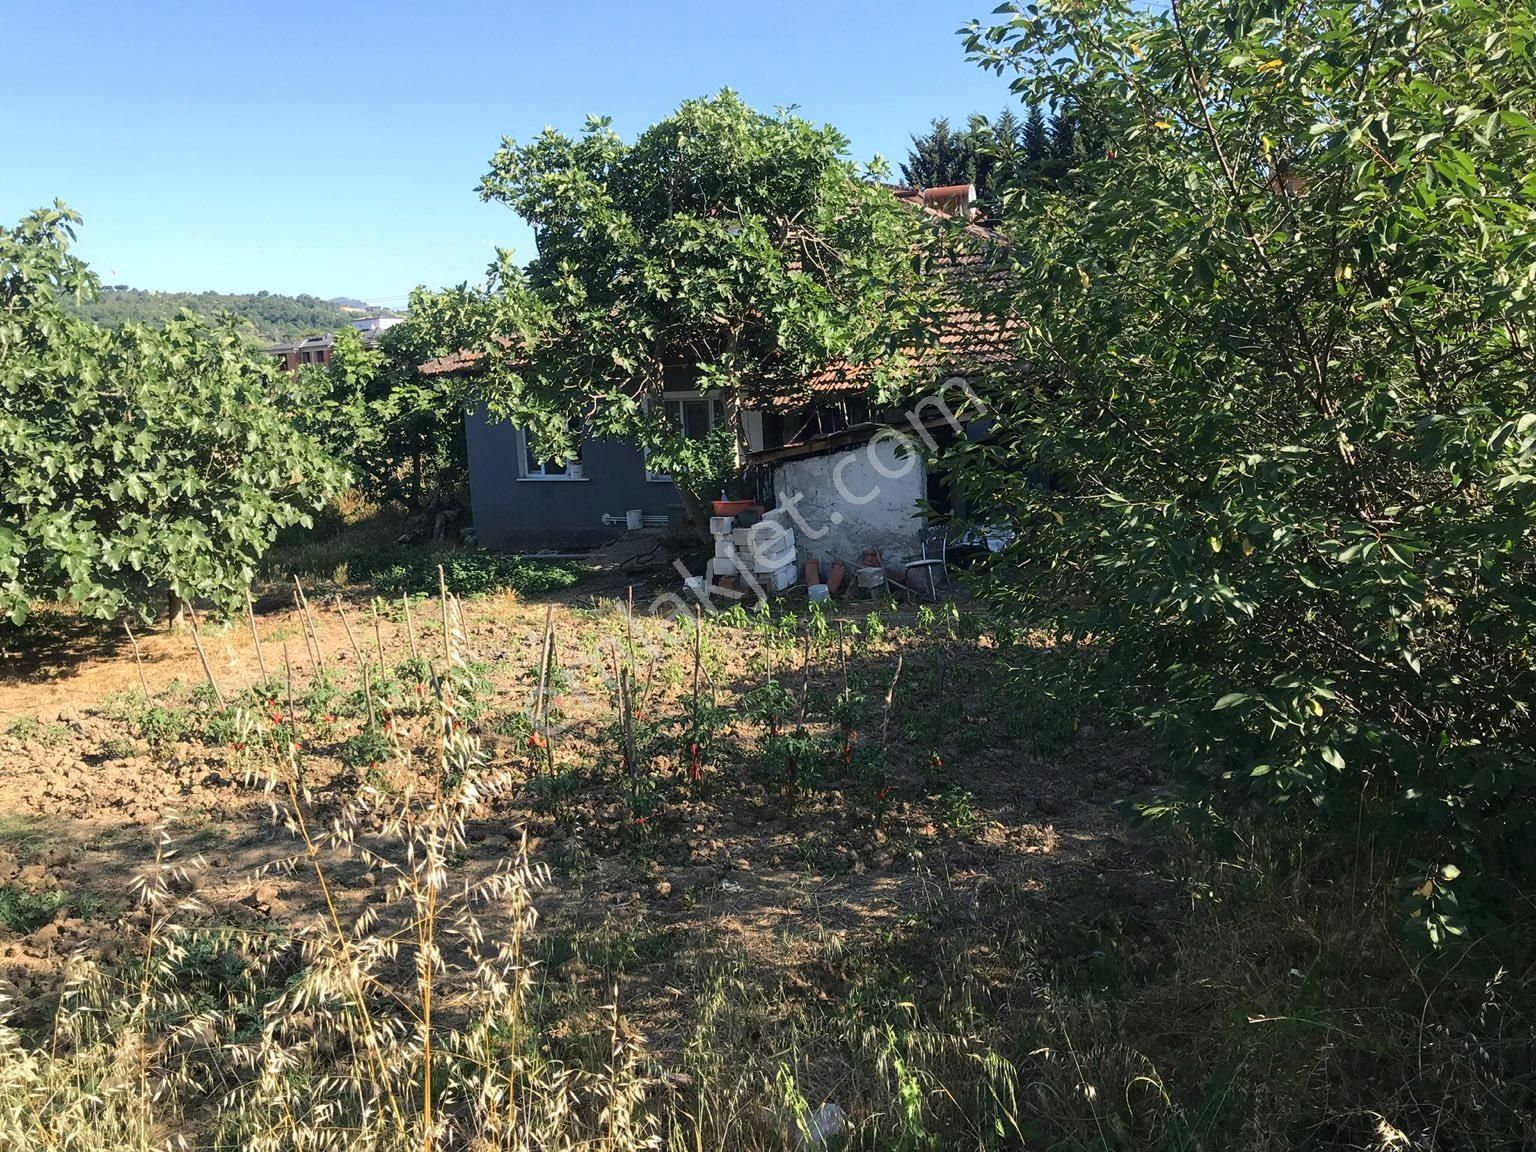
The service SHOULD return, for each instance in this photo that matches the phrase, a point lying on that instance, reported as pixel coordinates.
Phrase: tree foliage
(1003, 155)
(1283, 388)
(725, 249)
(402, 432)
(940, 157)
(270, 316)
(136, 461)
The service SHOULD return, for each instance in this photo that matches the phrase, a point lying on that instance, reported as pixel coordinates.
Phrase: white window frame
(716, 417)
(526, 473)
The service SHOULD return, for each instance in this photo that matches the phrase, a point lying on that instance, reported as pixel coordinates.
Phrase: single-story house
(849, 470)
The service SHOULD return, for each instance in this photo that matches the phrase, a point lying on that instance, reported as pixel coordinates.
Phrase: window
(532, 469)
(697, 416)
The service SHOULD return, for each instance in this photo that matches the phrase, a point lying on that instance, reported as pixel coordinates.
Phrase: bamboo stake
(368, 695)
(842, 658)
(410, 629)
(698, 662)
(357, 652)
(203, 656)
(554, 662)
(805, 676)
(250, 616)
(442, 595)
(540, 707)
(303, 631)
(319, 656)
(138, 662)
(293, 723)
(890, 695)
(378, 637)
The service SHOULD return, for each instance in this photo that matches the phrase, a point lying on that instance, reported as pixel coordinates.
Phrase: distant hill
(272, 317)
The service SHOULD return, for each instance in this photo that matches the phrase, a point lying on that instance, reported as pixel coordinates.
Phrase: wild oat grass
(401, 1024)
(1277, 1007)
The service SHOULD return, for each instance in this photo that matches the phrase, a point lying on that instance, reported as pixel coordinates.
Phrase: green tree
(402, 432)
(725, 250)
(940, 157)
(1284, 359)
(997, 146)
(1036, 142)
(137, 462)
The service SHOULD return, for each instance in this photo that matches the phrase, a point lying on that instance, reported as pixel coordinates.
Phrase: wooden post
(203, 656)
(540, 703)
(138, 661)
(250, 616)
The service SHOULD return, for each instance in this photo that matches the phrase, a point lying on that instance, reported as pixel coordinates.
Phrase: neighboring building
(375, 326)
(826, 441)
(317, 349)
(306, 350)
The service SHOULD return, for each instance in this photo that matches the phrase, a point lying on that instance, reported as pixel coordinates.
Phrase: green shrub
(365, 751)
(162, 727)
(1274, 472)
(24, 912)
(467, 574)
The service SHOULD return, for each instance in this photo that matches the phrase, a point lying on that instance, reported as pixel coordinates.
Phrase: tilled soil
(962, 816)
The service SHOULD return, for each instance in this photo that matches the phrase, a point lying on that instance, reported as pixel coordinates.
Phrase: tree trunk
(175, 612)
(699, 512)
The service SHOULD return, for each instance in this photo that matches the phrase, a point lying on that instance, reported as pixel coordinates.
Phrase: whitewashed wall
(866, 497)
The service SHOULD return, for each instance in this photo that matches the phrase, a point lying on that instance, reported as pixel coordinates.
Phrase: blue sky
(334, 148)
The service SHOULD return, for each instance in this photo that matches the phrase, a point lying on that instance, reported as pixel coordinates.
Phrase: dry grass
(944, 976)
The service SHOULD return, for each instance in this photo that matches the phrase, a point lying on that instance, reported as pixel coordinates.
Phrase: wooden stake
(546, 667)
(698, 662)
(314, 632)
(442, 595)
(805, 676)
(357, 652)
(410, 629)
(293, 722)
(378, 637)
(203, 656)
(250, 616)
(368, 695)
(842, 658)
(138, 662)
(307, 626)
(890, 695)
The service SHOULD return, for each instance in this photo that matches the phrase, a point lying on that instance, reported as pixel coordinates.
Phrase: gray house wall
(511, 511)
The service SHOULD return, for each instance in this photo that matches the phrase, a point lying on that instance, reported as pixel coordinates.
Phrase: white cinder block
(772, 561)
(724, 566)
(769, 539)
(779, 516)
(782, 578)
(720, 525)
(725, 550)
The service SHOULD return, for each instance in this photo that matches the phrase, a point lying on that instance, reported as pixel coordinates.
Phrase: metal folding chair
(932, 561)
